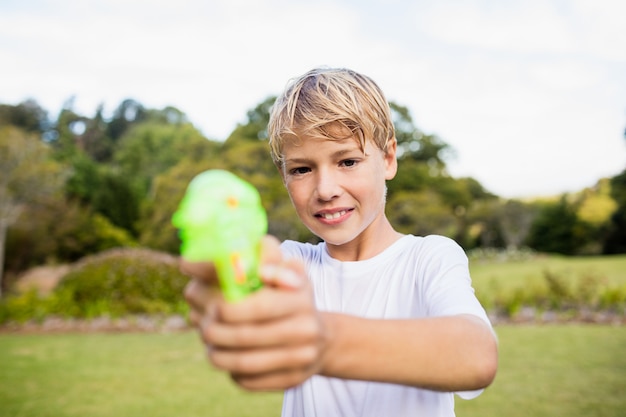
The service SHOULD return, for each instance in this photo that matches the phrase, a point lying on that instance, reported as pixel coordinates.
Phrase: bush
(24, 307)
(614, 298)
(116, 283)
(122, 281)
(559, 292)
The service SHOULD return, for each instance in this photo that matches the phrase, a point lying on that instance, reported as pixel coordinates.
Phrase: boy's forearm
(456, 353)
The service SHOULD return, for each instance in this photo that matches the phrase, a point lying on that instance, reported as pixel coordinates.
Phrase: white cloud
(531, 94)
(601, 28)
(566, 75)
(529, 27)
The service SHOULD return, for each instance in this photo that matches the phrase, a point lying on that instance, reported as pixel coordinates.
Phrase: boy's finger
(290, 274)
(270, 250)
(267, 304)
(204, 271)
(198, 295)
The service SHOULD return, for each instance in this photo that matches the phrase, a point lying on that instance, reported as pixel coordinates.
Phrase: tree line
(77, 185)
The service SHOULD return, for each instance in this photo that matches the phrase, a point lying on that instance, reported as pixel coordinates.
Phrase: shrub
(614, 298)
(114, 283)
(21, 308)
(120, 282)
(558, 292)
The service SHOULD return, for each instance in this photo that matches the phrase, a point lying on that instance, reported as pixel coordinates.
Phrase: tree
(118, 200)
(595, 208)
(194, 154)
(151, 148)
(421, 213)
(68, 126)
(515, 220)
(415, 145)
(125, 115)
(27, 175)
(94, 141)
(28, 116)
(555, 229)
(84, 179)
(616, 238)
(483, 227)
(60, 230)
(255, 128)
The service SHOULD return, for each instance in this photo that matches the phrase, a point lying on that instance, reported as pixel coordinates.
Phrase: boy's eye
(299, 170)
(348, 162)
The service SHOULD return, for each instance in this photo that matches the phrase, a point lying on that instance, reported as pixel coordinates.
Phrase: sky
(530, 94)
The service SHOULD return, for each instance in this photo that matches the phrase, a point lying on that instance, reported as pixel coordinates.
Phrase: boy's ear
(391, 162)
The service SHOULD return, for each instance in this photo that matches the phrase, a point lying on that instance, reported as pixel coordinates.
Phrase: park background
(92, 314)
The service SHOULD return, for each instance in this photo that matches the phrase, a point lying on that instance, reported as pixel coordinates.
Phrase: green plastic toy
(221, 220)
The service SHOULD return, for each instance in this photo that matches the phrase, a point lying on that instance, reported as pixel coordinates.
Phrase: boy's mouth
(332, 215)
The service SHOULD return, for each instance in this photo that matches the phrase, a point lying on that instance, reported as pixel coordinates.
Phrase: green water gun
(221, 220)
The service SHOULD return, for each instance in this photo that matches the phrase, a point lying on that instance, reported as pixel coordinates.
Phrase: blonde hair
(326, 98)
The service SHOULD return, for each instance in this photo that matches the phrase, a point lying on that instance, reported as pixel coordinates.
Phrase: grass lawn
(493, 279)
(564, 370)
(611, 270)
(556, 370)
(118, 375)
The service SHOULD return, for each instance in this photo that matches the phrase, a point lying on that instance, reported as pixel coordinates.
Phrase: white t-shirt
(415, 277)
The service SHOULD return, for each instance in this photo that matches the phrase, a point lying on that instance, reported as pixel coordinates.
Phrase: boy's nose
(327, 186)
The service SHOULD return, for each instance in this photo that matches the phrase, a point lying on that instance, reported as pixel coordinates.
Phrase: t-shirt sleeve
(298, 250)
(449, 288)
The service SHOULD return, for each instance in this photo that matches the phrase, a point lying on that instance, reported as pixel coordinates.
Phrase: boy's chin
(335, 240)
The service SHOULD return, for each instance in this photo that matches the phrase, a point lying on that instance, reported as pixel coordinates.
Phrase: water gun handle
(237, 274)
(221, 220)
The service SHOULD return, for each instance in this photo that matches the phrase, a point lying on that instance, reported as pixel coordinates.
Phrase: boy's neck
(367, 245)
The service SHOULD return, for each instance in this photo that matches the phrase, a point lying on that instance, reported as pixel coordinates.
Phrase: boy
(369, 322)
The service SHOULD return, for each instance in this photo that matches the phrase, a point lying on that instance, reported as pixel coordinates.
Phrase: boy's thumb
(270, 250)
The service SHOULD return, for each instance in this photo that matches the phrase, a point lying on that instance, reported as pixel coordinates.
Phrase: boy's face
(337, 189)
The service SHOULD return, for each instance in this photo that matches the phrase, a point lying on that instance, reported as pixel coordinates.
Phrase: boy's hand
(271, 340)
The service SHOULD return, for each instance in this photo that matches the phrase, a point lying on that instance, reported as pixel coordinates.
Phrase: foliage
(24, 307)
(60, 231)
(555, 229)
(150, 148)
(416, 146)
(595, 205)
(496, 223)
(577, 224)
(421, 213)
(127, 114)
(507, 282)
(27, 177)
(615, 241)
(121, 282)
(130, 281)
(116, 283)
(118, 200)
(558, 293)
(168, 188)
(255, 128)
(28, 116)
(84, 179)
(128, 171)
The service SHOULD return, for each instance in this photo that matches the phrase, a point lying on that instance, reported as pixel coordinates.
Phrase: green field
(593, 282)
(609, 270)
(545, 370)
(564, 370)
